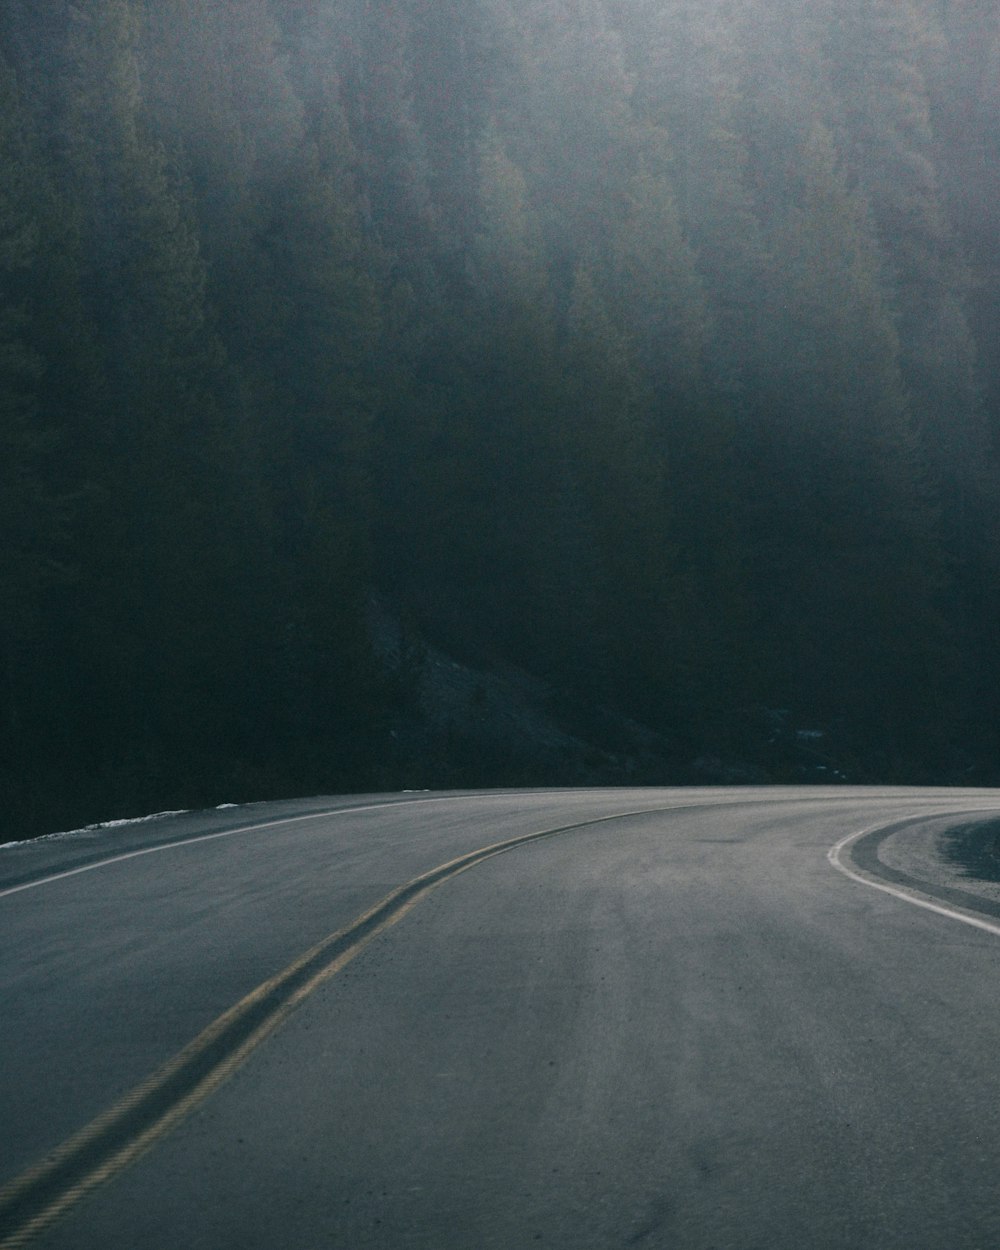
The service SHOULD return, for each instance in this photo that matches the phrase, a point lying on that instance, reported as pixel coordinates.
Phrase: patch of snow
(92, 829)
(137, 820)
(222, 807)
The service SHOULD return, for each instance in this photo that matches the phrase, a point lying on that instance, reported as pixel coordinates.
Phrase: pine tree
(28, 518)
(849, 501)
(452, 42)
(566, 120)
(155, 569)
(290, 278)
(878, 53)
(40, 459)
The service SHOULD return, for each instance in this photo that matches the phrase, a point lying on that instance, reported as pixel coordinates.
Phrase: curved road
(673, 1023)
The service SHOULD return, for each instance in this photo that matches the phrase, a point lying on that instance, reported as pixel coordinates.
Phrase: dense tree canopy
(651, 347)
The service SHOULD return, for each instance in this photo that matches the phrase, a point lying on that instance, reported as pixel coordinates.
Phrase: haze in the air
(428, 392)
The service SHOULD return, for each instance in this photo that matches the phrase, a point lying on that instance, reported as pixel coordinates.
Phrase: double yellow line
(35, 1200)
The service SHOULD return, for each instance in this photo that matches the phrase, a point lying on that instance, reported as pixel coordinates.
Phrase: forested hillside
(649, 346)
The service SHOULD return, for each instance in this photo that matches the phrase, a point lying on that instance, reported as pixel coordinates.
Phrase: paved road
(680, 1027)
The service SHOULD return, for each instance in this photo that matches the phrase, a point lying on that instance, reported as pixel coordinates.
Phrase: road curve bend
(576, 1019)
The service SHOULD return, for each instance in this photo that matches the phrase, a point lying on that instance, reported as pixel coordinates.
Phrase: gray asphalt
(682, 1029)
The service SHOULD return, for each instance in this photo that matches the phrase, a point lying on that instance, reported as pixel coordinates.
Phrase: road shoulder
(950, 858)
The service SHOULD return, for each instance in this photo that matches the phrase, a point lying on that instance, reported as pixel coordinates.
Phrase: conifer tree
(567, 123)
(151, 586)
(29, 516)
(851, 501)
(885, 98)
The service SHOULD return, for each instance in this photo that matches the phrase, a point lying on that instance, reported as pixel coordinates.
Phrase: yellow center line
(115, 1139)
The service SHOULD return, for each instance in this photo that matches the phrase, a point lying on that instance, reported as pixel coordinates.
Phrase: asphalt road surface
(674, 1023)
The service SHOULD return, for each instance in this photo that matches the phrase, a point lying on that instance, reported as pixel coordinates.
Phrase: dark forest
(642, 353)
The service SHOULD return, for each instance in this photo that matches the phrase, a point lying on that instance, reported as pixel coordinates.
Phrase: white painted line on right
(908, 896)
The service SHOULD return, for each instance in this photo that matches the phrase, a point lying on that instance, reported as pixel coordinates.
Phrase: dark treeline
(650, 345)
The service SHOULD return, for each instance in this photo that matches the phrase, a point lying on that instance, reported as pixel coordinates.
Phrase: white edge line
(211, 837)
(426, 797)
(833, 855)
(908, 896)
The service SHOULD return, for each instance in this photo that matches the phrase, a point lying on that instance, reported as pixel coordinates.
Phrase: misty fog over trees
(651, 347)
